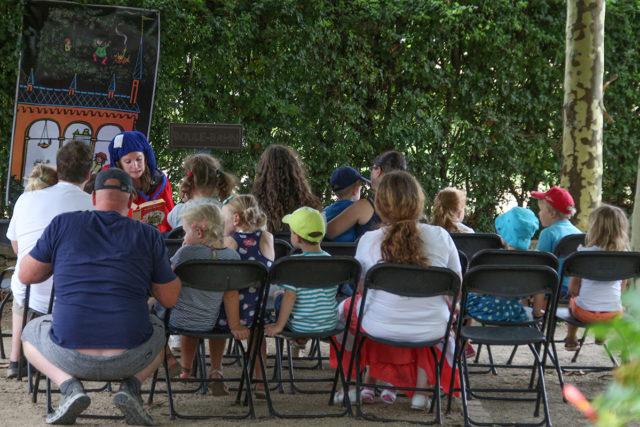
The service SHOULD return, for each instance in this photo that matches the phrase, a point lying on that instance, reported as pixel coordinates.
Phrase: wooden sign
(205, 136)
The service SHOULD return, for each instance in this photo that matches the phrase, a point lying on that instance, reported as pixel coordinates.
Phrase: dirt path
(18, 410)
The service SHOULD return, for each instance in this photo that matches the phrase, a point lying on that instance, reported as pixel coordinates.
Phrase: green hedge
(470, 91)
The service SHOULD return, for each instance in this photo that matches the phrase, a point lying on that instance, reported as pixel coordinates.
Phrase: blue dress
(249, 249)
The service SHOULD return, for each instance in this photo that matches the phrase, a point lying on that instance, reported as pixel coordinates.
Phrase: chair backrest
(602, 265)
(412, 280)
(510, 281)
(282, 248)
(339, 248)
(517, 257)
(172, 246)
(464, 261)
(470, 243)
(176, 233)
(568, 245)
(219, 275)
(314, 271)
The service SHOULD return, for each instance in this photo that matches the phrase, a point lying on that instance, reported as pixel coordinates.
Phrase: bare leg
(144, 374)
(36, 358)
(188, 351)
(16, 334)
(421, 381)
(216, 350)
(572, 331)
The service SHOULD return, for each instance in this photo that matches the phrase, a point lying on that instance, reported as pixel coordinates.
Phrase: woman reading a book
(153, 198)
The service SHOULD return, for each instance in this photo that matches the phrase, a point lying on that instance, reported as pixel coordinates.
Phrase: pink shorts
(587, 316)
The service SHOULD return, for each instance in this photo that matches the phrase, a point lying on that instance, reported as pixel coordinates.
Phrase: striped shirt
(315, 310)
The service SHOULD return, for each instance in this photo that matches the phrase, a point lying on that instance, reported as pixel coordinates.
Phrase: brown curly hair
(448, 203)
(205, 172)
(281, 185)
(400, 204)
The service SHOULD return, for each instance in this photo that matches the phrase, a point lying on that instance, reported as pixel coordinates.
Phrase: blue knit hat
(128, 142)
(517, 226)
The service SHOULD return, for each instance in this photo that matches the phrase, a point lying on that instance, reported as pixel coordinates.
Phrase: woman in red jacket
(131, 152)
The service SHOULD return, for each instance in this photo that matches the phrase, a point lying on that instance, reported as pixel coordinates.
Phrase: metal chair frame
(310, 272)
(408, 281)
(499, 280)
(470, 243)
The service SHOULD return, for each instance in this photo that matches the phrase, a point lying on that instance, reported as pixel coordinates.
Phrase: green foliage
(620, 404)
(470, 91)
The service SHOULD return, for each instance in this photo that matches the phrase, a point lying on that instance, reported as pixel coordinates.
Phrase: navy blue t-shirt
(103, 267)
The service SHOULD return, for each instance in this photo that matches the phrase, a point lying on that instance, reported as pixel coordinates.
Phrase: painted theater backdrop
(86, 72)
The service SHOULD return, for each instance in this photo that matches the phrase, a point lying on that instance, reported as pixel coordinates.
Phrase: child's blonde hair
(246, 206)
(41, 176)
(608, 227)
(400, 204)
(206, 217)
(448, 203)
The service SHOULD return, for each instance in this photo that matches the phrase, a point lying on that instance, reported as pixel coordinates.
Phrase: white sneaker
(174, 343)
(420, 402)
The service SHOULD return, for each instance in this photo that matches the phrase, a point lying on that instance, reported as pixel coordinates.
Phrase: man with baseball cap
(346, 182)
(105, 266)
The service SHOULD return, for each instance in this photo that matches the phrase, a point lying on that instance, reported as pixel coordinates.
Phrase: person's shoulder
(227, 254)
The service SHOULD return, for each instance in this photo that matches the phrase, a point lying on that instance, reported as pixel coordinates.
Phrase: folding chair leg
(513, 354)
(611, 356)
(580, 344)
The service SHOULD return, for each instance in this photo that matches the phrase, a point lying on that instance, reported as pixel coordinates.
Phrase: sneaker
(70, 407)
(420, 402)
(129, 401)
(469, 352)
(12, 370)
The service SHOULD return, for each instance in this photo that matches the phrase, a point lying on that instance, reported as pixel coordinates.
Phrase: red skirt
(397, 365)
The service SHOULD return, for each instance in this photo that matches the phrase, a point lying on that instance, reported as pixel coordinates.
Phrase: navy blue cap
(345, 176)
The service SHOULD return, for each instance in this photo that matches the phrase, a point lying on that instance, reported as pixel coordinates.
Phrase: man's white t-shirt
(32, 213)
(403, 318)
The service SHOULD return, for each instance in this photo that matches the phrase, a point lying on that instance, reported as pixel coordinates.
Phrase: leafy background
(470, 91)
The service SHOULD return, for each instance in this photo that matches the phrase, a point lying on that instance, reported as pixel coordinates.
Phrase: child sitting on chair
(301, 309)
(594, 301)
(516, 227)
(198, 310)
(448, 210)
(346, 183)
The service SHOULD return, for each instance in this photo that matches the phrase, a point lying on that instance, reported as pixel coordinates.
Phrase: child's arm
(358, 213)
(574, 286)
(266, 246)
(288, 300)
(232, 310)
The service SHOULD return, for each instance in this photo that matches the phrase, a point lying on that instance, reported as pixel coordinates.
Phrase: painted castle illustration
(46, 118)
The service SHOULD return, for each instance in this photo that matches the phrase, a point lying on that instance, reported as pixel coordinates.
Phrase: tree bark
(582, 108)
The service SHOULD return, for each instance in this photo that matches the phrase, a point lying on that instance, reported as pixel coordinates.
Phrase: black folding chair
(599, 266)
(176, 233)
(470, 243)
(172, 246)
(339, 248)
(509, 257)
(464, 261)
(310, 272)
(500, 280)
(568, 245)
(5, 286)
(282, 248)
(219, 276)
(414, 282)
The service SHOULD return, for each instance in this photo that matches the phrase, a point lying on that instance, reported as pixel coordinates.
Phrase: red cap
(557, 197)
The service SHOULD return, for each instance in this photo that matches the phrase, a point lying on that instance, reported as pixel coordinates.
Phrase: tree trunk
(582, 109)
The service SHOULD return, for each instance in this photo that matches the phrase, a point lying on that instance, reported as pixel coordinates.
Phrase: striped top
(315, 310)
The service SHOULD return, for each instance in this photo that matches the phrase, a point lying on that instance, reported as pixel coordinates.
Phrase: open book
(150, 212)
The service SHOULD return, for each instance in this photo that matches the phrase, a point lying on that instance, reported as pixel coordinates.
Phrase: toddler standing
(595, 301)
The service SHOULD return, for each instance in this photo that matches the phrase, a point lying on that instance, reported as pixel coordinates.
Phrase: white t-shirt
(33, 211)
(407, 318)
(175, 216)
(599, 296)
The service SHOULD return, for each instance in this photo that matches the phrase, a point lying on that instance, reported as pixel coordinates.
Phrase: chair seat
(216, 333)
(502, 335)
(564, 314)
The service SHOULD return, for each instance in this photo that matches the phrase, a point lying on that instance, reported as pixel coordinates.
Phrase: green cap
(307, 223)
